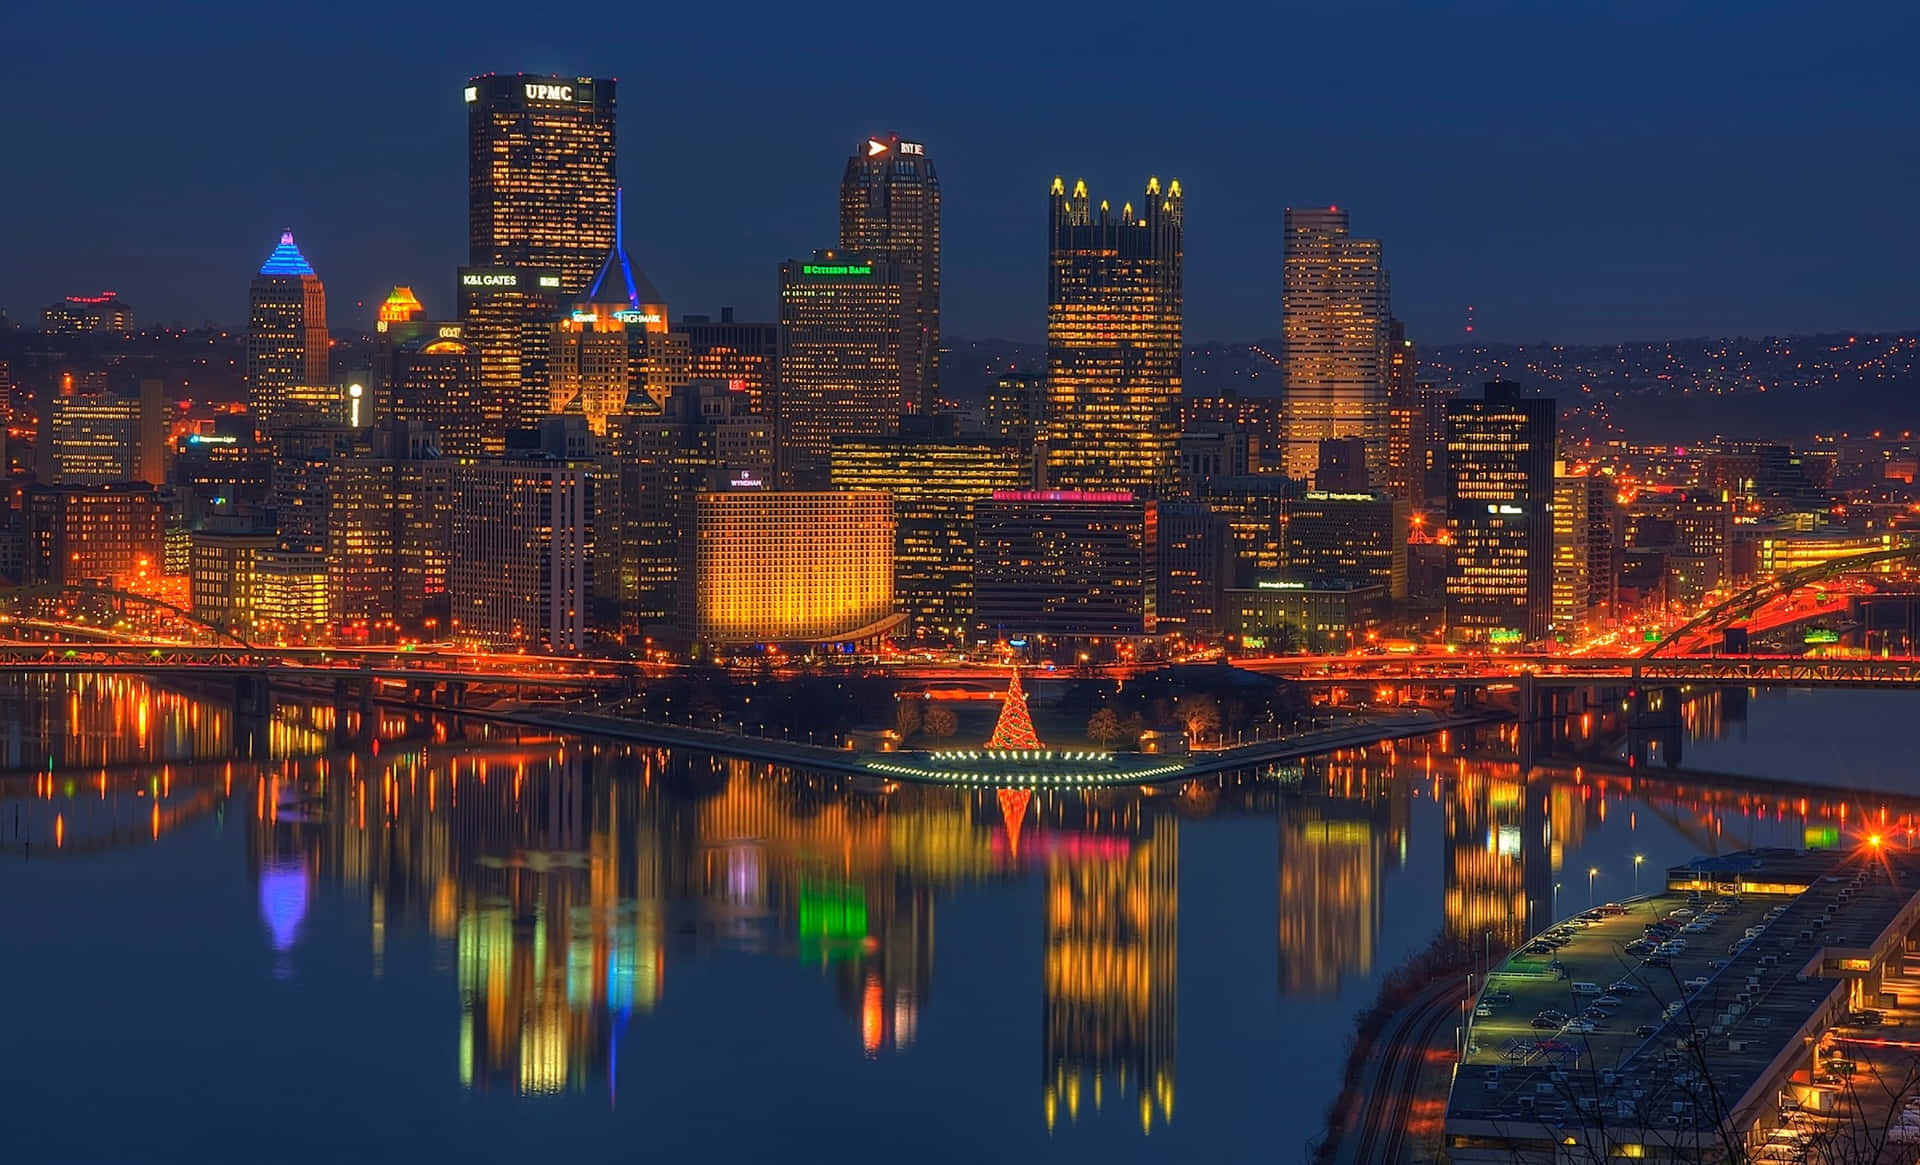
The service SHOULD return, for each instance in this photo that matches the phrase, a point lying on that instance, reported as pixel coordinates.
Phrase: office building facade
(744, 354)
(845, 356)
(1115, 303)
(91, 439)
(1500, 492)
(506, 313)
(934, 477)
(1319, 618)
(289, 357)
(1065, 564)
(1348, 537)
(792, 567)
(1335, 326)
(388, 539)
(1194, 556)
(540, 174)
(106, 535)
(890, 208)
(705, 437)
(87, 314)
(427, 374)
(522, 542)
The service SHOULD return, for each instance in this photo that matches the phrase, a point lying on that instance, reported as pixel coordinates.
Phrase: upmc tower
(540, 174)
(890, 209)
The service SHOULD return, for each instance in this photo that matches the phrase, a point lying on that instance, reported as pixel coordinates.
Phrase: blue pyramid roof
(286, 259)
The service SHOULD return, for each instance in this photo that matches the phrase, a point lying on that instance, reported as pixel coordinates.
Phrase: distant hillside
(1780, 386)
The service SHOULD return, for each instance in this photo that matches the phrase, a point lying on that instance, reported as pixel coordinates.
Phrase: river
(459, 942)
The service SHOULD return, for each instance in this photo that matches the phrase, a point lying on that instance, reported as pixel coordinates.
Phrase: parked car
(1645, 1030)
(1578, 1027)
(1623, 987)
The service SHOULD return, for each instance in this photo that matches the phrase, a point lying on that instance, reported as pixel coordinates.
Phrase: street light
(1592, 873)
(1637, 859)
(1556, 902)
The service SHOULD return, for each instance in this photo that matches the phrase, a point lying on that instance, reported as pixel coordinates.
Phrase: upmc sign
(549, 93)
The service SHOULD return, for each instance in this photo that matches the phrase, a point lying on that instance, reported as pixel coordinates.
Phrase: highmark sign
(836, 269)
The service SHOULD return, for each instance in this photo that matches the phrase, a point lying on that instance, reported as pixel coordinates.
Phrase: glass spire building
(1114, 303)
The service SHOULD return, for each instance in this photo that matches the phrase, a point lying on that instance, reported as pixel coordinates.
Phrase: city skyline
(1596, 221)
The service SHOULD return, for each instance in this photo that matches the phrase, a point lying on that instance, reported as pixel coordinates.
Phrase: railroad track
(1381, 1132)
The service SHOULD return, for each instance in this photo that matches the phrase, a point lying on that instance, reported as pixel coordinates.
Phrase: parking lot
(1596, 951)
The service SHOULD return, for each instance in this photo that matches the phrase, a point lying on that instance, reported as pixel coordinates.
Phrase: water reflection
(566, 886)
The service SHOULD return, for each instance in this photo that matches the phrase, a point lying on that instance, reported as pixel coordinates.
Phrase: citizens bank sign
(549, 93)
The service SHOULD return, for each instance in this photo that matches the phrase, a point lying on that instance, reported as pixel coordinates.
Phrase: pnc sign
(549, 92)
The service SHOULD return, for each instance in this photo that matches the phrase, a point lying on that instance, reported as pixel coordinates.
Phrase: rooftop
(286, 259)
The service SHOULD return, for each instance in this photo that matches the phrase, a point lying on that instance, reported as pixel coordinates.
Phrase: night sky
(1636, 170)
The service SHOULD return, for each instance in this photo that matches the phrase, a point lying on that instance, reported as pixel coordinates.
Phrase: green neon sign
(836, 268)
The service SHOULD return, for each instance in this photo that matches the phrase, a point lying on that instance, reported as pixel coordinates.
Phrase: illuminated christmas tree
(1015, 728)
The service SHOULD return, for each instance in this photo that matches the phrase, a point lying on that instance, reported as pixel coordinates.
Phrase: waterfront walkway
(1205, 762)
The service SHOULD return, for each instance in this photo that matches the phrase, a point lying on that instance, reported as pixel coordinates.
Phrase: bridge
(301, 665)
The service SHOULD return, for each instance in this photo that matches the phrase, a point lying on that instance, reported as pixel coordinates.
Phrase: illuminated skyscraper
(845, 355)
(1017, 406)
(610, 347)
(1334, 321)
(1406, 448)
(1499, 511)
(934, 478)
(1114, 303)
(540, 174)
(287, 342)
(1572, 557)
(890, 208)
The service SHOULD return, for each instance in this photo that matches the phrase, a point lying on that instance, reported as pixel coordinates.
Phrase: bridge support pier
(353, 719)
(1654, 718)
